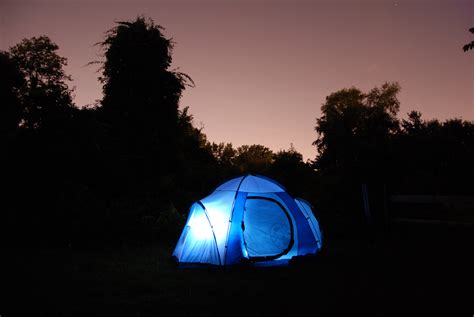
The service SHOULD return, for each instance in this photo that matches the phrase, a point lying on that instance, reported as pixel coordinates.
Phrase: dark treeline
(128, 168)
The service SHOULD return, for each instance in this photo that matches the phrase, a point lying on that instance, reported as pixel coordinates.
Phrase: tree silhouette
(140, 107)
(355, 146)
(43, 147)
(469, 46)
(224, 153)
(155, 155)
(354, 128)
(414, 124)
(289, 169)
(141, 94)
(433, 156)
(254, 158)
(45, 94)
(11, 84)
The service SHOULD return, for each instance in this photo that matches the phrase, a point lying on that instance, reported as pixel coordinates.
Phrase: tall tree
(341, 118)
(355, 133)
(354, 128)
(46, 96)
(151, 144)
(41, 156)
(141, 93)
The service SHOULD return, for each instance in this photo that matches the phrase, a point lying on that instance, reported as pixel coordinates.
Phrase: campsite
(237, 158)
(411, 269)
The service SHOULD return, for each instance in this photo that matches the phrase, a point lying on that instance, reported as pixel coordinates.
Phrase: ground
(416, 275)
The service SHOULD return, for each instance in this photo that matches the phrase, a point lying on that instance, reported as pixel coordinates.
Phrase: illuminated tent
(248, 219)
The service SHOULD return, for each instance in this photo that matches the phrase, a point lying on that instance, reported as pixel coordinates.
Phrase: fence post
(365, 198)
(386, 210)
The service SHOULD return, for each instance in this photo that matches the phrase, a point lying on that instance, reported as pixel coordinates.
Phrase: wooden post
(386, 210)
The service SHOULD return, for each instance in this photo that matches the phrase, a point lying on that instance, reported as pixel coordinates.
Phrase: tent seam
(231, 217)
(212, 229)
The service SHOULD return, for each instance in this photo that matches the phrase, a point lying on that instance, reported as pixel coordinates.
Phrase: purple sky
(263, 68)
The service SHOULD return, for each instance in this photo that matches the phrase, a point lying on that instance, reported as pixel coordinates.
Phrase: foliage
(253, 158)
(433, 156)
(46, 97)
(469, 46)
(297, 176)
(355, 128)
(140, 92)
(361, 141)
(224, 153)
(12, 83)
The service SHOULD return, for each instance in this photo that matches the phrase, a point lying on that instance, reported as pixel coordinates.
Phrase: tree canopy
(45, 95)
(138, 85)
(253, 158)
(354, 128)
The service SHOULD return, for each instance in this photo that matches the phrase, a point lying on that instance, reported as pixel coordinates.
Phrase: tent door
(267, 229)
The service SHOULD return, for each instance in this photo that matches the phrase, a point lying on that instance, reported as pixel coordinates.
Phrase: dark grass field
(415, 272)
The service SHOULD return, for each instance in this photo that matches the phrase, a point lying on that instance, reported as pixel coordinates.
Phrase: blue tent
(248, 219)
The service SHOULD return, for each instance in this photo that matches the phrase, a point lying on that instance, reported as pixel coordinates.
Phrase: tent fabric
(313, 223)
(219, 208)
(252, 184)
(197, 242)
(248, 219)
(306, 240)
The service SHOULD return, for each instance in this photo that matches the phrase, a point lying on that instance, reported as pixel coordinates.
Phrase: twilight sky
(263, 68)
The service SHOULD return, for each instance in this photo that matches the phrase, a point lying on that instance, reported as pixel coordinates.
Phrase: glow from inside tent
(200, 226)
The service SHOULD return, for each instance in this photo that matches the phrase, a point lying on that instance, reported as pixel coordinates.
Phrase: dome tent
(248, 219)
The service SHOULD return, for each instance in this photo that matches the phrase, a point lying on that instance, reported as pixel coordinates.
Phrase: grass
(411, 274)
